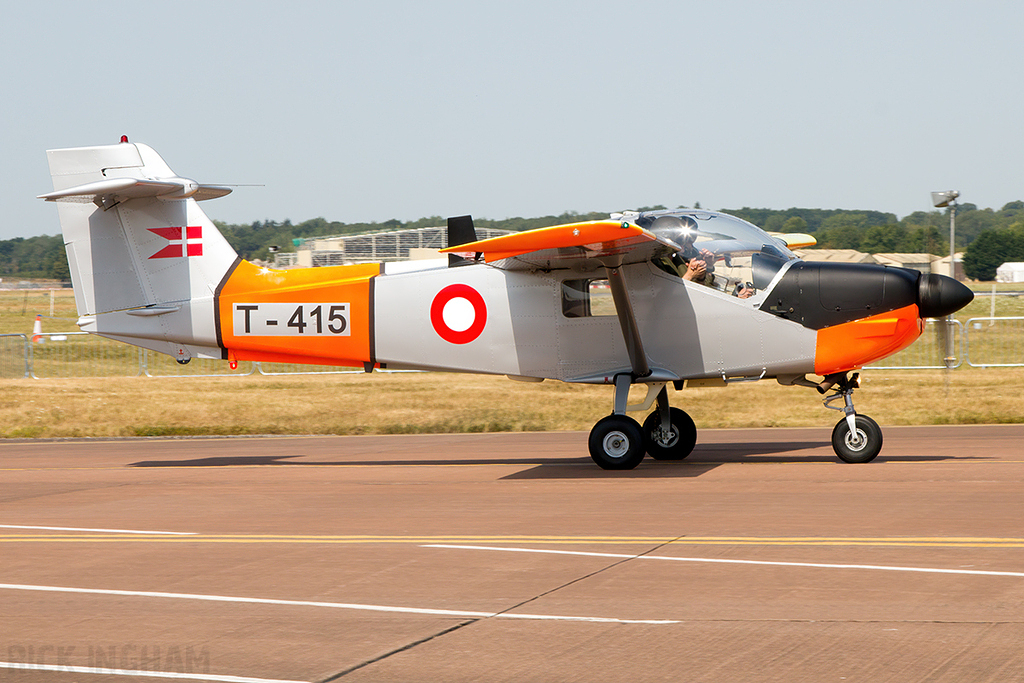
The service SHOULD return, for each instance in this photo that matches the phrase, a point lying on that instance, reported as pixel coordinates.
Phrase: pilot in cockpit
(690, 262)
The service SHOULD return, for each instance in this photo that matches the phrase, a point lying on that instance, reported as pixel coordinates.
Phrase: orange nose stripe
(854, 344)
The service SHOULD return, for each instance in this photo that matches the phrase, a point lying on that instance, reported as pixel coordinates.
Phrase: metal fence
(66, 355)
(929, 351)
(980, 342)
(994, 342)
(14, 356)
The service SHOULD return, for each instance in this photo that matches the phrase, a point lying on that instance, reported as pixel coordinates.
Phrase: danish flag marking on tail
(189, 244)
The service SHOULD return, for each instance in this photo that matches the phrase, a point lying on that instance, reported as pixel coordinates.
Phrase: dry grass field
(88, 406)
(402, 403)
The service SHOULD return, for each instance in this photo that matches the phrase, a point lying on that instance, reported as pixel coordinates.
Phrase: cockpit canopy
(742, 252)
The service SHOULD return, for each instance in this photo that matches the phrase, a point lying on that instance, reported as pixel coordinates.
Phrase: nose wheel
(860, 444)
(856, 438)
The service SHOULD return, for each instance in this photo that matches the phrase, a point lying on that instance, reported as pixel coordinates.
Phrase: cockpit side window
(586, 297)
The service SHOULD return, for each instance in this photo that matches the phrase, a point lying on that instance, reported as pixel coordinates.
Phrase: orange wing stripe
(593, 235)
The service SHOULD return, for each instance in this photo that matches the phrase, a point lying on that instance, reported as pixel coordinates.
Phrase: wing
(795, 240)
(573, 245)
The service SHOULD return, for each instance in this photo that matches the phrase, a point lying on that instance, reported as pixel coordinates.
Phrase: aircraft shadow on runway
(787, 452)
(705, 457)
(714, 450)
(285, 460)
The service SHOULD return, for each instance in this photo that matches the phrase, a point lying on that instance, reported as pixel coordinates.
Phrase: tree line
(987, 237)
(990, 237)
(34, 257)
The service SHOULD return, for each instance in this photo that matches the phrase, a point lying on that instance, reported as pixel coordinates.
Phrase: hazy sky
(366, 111)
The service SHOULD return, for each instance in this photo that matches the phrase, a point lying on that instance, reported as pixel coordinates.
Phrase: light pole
(942, 200)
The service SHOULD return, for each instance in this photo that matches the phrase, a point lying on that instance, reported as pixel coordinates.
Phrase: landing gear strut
(856, 438)
(618, 442)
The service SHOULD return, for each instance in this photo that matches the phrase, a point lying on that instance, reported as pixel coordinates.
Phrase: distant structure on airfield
(398, 245)
(1012, 271)
(925, 263)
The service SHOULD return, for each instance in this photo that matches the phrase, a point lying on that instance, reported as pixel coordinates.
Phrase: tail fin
(145, 260)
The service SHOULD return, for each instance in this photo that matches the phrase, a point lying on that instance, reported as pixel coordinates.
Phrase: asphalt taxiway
(511, 557)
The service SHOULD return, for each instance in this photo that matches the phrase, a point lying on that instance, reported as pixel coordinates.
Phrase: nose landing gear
(856, 438)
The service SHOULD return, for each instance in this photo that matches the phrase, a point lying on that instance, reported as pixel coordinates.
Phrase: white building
(1010, 272)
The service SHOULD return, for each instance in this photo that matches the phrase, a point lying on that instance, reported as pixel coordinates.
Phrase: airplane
(686, 297)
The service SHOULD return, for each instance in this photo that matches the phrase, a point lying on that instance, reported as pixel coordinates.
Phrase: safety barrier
(161, 365)
(980, 342)
(67, 355)
(273, 369)
(995, 342)
(929, 351)
(14, 354)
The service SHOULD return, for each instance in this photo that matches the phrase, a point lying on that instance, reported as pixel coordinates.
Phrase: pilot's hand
(696, 269)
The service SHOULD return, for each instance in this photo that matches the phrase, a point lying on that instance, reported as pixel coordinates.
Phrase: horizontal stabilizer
(134, 188)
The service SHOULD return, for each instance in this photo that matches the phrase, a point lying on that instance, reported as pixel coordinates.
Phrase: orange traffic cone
(37, 329)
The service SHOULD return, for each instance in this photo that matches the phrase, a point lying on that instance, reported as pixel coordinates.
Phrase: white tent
(1010, 272)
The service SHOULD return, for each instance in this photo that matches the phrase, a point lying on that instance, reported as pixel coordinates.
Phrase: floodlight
(942, 199)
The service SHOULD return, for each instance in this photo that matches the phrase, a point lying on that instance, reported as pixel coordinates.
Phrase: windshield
(729, 253)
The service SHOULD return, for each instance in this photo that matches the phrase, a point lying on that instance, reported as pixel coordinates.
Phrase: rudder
(145, 260)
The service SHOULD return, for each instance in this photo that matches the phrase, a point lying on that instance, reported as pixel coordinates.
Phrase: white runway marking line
(101, 531)
(132, 672)
(335, 605)
(927, 570)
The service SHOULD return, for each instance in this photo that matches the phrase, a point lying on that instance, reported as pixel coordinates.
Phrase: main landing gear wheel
(617, 443)
(861, 445)
(676, 442)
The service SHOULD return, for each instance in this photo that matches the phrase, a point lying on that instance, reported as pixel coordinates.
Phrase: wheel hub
(856, 441)
(666, 438)
(616, 444)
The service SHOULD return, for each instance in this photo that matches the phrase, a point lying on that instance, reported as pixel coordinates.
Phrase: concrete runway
(511, 557)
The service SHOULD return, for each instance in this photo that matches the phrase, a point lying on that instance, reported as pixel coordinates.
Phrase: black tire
(617, 443)
(682, 438)
(852, 450)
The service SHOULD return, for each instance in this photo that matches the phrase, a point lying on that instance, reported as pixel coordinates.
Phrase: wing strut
(630, 331)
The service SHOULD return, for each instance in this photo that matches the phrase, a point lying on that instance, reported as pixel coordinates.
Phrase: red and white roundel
(458, 314)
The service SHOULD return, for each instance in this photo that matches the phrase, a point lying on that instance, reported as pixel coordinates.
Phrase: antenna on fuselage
(460, 231)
